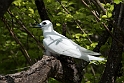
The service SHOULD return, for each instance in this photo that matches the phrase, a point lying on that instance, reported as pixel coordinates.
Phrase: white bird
(58, 44)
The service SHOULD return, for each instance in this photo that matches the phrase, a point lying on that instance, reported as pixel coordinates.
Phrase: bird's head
(44, 24)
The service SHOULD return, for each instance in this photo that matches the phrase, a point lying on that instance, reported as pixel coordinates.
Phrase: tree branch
(99, 4)
(105, 26)
(42, 10)
(47, 67)
(76, 21)
(26, 30)
(37, 73)
(24, 51)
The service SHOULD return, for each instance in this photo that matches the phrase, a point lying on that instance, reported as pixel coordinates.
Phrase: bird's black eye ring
(44, 23)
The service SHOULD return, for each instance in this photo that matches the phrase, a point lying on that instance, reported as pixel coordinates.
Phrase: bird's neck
(47, 31)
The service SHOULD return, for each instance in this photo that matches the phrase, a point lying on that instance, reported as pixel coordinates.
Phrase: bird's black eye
(44, 23)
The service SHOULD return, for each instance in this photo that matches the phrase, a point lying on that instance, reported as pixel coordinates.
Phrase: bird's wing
(65, 47)
(84, 50)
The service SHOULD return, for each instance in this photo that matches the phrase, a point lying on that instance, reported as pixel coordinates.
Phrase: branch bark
(47, 67)
(42, 10)
(37, 73)
(99, 4)
(113, 64)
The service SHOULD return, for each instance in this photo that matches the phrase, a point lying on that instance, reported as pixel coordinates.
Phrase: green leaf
(93, 45)
(58, 24)
(85, 35)
(117, 1)
(109, 15)
(104, 16)
(88, 82)
(31, 10)
(69, 16)
(17, 2)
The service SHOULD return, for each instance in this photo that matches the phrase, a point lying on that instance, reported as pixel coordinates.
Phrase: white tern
(58, 44)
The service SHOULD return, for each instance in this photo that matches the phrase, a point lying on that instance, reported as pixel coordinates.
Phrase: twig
(22, 25)
(120, 15)
(99, 4)
(83, 31)
(21, 68)
(93, 70)
(98, 19)
(102, 23)
(24, 51)
(67, 12)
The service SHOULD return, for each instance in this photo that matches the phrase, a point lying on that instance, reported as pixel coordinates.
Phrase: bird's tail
(94, 58)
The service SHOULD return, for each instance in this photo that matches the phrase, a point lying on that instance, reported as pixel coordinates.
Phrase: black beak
(37, 26)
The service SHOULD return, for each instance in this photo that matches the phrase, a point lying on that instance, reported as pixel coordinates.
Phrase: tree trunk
(4, 4)
(113, 64)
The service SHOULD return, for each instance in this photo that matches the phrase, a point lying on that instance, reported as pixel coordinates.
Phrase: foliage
(85, 32)
(118, 1)
(109, 7)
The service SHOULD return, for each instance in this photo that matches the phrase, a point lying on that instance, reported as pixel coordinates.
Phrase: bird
(58, 44)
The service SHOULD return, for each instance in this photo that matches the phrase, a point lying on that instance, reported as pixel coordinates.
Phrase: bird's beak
(37, 26)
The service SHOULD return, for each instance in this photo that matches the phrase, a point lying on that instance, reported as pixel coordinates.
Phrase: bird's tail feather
(95, 53)
(94, 58)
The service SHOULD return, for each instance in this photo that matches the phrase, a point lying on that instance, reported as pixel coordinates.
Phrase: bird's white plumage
(56, 43)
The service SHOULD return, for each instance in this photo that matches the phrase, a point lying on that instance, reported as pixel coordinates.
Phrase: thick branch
(37, 73)
(47, 67)
(41, 9)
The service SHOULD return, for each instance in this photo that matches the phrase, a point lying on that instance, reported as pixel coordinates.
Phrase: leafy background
(81, 26)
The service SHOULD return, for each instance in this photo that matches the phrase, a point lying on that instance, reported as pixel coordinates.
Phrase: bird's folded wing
(84, 50)
(64, 47)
